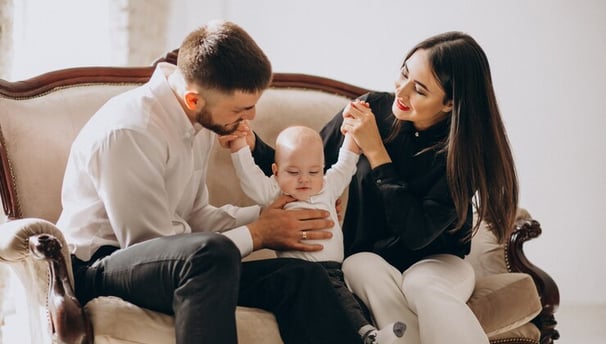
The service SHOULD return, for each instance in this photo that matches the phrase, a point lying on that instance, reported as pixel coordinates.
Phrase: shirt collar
(160, 87)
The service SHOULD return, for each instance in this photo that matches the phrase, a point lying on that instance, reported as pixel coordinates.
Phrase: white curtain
(6, 37)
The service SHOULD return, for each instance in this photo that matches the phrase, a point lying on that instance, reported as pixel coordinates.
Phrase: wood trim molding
(70, 77)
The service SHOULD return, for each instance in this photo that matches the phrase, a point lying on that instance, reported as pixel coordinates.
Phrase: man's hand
(283, 230)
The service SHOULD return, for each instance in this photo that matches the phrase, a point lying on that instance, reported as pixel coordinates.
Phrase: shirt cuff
(242, 238)
(241, 235)
(384, 172)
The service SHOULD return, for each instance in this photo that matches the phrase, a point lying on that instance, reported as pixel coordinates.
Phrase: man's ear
(447, 107)
(193, 100)
(274, 169)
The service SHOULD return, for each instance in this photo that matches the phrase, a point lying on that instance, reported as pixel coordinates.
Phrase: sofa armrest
(525, 229)
(26, 242)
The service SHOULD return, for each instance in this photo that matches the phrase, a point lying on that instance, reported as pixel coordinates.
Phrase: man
(136, 212)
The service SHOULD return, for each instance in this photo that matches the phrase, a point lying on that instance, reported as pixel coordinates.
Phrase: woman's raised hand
(359, 121)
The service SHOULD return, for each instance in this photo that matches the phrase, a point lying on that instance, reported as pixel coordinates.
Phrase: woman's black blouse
(401, 210)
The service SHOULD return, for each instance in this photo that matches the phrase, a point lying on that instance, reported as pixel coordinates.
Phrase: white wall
(547, 58)
(49, 34)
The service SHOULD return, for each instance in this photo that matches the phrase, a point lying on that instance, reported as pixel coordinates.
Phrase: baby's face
(300, 172)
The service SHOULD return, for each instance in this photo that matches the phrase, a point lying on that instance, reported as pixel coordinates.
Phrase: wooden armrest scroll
(68, 320)
(526, 229)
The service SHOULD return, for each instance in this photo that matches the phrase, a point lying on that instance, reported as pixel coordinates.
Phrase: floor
(577, 324)
(582, 324)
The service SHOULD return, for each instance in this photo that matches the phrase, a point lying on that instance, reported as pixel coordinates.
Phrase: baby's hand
(237, 144)
(238, 139)
(350, 144)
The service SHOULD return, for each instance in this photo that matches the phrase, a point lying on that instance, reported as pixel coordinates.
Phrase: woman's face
(419, 95)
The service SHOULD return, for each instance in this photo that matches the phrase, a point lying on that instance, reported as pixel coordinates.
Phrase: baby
(298, 171)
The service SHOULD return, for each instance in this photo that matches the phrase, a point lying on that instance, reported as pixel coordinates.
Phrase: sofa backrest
(39, 119)
(36, 135)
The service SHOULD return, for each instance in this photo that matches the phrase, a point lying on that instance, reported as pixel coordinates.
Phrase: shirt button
(379, 181)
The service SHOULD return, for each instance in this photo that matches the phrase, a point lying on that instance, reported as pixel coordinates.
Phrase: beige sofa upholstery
(40, 117)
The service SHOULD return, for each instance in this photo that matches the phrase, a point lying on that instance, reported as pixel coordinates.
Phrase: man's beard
(205, 119)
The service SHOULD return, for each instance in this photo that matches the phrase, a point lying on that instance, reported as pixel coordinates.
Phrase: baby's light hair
(298, 136)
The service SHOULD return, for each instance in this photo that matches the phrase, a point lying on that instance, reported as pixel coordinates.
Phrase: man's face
(223, 113)
(205, 118)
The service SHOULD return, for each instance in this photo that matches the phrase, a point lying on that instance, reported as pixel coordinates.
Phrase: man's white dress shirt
(264, 190)
(137, 171)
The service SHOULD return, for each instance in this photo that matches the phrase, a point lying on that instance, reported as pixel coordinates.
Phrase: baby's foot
(387, 335)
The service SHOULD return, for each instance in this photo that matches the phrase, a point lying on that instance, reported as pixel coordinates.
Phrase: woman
(412, 201)
(429, 148)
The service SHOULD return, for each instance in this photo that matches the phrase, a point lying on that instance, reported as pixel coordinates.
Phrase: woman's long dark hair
(479, 161)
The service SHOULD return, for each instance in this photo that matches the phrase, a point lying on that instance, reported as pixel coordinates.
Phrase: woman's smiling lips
(401, 106)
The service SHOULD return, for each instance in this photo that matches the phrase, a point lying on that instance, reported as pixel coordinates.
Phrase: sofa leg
(547, 323)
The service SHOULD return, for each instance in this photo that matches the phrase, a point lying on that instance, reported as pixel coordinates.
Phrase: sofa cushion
(487, 256)
(116, 321)
(504, 302)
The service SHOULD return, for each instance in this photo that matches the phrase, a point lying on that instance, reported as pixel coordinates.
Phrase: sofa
(514, 300)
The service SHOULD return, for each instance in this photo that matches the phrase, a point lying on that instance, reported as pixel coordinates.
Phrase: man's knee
(220, 250)
(210, 256)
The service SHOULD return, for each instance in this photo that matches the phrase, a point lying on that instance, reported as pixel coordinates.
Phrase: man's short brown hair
(224, 57)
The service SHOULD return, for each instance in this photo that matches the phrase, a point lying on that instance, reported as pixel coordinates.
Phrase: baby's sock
(387, 335)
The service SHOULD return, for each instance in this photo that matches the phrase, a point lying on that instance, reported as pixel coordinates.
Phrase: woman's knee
(367, 272)
(438, 275)
(361, 264)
